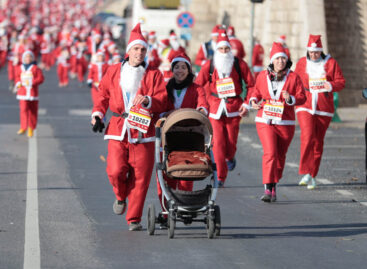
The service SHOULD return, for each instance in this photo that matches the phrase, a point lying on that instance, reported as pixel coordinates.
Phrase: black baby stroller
(185, 136)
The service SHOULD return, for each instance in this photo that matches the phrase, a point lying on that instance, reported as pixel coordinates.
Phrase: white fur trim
(316, 112)
(149, 105)
(278, 54)
(180, 59)
(136, 42)
(97, 113)
(27, 98)
(314, 49)
(293, 101)
(276, 122)
(203, 108)
(223, 44)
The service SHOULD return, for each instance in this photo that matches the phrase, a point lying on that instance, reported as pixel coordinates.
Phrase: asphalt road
(324, 228)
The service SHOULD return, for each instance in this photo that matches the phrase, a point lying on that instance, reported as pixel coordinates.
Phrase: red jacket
(237, 47)
(192, 97)
(96, 72)
(263, 91)
(230, 105)
(27, 82)
(110, 96)
(202, 55)
(320, 103)
(258, 58)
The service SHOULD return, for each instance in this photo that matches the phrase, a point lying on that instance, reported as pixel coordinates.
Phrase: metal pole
(252, 34)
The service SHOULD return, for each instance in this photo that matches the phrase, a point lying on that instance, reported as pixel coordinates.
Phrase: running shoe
(312, 185)
(135, 226)
(305, 180)
(231, 164)
(119, 207)
(266, 197)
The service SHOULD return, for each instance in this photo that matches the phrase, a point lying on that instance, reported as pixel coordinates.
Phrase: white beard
(131, 78)
(223, 62)
(174, 44)
(315, 69)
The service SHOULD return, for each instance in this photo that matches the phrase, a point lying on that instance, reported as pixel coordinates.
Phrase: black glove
(98, 126)
(89, 84)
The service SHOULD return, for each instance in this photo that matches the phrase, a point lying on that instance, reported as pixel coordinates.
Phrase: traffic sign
(185, 20)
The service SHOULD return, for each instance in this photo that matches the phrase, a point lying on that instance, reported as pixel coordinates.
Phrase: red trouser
(275, 140)
(129, 169)
(28, 114)
(313, 130)
(225, 134)
(62, 73)
(46, 59)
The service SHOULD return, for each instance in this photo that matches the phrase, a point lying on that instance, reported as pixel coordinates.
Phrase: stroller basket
(198, 198)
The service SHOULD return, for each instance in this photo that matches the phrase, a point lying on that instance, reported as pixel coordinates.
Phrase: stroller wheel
(171, 226)
(217, 220)
(210, 227)
(151, 219)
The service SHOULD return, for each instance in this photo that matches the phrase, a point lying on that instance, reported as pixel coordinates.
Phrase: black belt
(225, 99)
(123, 115)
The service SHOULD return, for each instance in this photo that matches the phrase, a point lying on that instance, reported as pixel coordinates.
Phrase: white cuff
(205, 110)
(149, 105)
(293, 101)
(331, 86)
(203, 62)
(89, 80)
(18, 84)
(252, 99)
(97, 113)
(248, 107)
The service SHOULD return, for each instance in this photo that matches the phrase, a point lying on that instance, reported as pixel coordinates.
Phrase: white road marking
(324, 181)
(345, 192)
(32, 252)
(364, 203)
(256, 146)
(343, 146)
(80, 112)
(293, 165)
(42, 111)
(245, 139)
(341, 158)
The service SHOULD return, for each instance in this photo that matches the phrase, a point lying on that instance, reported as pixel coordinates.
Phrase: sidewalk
(353, 117)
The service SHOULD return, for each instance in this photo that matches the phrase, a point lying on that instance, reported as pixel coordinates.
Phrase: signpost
(185, 20)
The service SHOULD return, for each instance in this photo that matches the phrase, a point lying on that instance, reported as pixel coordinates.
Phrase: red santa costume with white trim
(96, 72)
(238, 49)
(27, 82)
(223, 109)
(257, 59)
(130, 157)
(276, 133)
(315, 114)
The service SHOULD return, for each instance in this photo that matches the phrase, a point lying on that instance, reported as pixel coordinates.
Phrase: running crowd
(152, 78)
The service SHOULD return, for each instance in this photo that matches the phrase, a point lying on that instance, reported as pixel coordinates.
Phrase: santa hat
(215, 30)
(145, 34)
(230, 31)
(181, 57)
(282, 39)
(164, 43)
(100, 52)
(277, 50)
(136, 38)
(152, 34)
(173, 36)
(314, 43)
(116, 56)
(27, 52)
(222, 39)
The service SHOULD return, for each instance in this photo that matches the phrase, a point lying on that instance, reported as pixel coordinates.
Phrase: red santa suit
(27, 82)
(276, 133)
(238, 49)
(63, 65)
(315, 114)
(96, 72)
(192, 96)
(81, 61)
(46, 51)
(130, 157)
(257, 59)
(223, 112)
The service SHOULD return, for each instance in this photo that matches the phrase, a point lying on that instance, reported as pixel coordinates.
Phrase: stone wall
(342, 24)
(346, 23)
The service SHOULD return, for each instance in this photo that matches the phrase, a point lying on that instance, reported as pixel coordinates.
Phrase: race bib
(225, 88)
(317, 84)
(139, 119)
(273, 110)
(26, 78)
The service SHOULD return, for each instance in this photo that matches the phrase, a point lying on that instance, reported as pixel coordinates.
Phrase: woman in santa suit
(321, 76)
(182, 92)
(28, 76)
(96, 72)
(276, 92)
